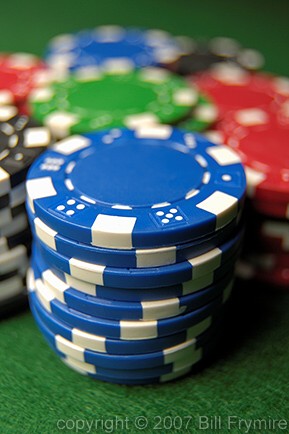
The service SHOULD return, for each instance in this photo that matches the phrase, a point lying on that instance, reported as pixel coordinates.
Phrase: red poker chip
(261, 138)
(19, 73)
(232, 88)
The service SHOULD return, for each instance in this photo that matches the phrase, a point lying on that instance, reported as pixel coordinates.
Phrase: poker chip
(177, 186)
(21, 141)
(261, 140)
(233, 89)
(140, 258)
(19, 73)
(91, 100)
(202, 55)
(114, 46)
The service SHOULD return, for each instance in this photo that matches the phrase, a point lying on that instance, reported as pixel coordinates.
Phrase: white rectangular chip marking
(197, 284)
(7, 112)
(59, 123)
(154, 132)
(223, 155)
(39, 188)
(71, 144)
(155, 257)
(120, 227)
(69, 349)
(254, 178)
(81, 367)
(118, 66)
(199, 328)
(180, 351)
(35, 137)
(217, 204)
(43, 94)
(45, 233)
(80, 285)
(86, 271)
(154, 75)
(138, 330)
(139, 120)
(5, 181)
(185, 97)
(13, 286)
(56, 286)
(161, 309)
(6, 97)
(44, 294)
(89, 341)
(206, 263)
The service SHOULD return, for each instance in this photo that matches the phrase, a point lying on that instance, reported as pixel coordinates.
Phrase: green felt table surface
(249, 377)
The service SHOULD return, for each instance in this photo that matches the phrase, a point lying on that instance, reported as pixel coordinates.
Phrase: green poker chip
(93, 99)
(202, 116)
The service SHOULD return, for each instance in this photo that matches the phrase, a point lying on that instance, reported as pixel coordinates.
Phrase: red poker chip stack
(254, 120)
(20, 73)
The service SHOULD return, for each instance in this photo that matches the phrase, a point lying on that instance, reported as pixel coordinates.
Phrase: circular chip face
(202, 55)
(91, 100)
(112, 45)
(203, 115)
(124, 189)
(232, 88)
(261, 140)
(18, 76)
(21, 141)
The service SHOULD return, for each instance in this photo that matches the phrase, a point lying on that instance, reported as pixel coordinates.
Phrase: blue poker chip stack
(136, 234)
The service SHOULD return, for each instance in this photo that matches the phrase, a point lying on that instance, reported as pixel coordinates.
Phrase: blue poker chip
(117, 346)
(112, 46)
(191, 350)
(141, 258)
(149, 294)
(129, 330)
(119, 310)
(141, 277)
(124, 189)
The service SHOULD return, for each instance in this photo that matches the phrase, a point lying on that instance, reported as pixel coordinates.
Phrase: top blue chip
(124, 189)
(114, 45)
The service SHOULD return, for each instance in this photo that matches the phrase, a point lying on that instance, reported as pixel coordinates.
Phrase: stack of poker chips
(136, 235)
(254, 120)
(21, 141)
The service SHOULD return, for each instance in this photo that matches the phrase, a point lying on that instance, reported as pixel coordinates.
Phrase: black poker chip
(21, 141)
(201, 55)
